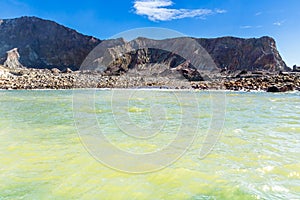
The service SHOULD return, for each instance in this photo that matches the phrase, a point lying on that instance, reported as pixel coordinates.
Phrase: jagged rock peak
(12, 60)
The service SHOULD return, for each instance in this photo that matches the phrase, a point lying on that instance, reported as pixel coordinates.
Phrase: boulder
(3, 71)
(67, 70)
(296, 68)
(191, 74)
(284, 88)
(273, 89)
(55, 71)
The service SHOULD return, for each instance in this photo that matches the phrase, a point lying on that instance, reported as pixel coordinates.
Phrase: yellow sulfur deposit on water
(42, 157)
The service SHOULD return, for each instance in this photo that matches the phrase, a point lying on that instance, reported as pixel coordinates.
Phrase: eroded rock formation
(46, 44)
(12, 60)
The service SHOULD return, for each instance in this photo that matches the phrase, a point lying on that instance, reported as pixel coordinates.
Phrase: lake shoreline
(38, 79)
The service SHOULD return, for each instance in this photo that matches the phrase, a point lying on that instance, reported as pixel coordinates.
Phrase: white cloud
(220, 11)
(279, 23)
(248, 27)
(156, 10)
(258, 13)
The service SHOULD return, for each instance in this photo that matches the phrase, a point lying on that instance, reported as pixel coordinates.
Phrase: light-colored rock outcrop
(13, 59)
(3, 72)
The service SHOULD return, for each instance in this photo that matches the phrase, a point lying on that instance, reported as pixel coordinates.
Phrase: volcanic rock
(44, 44)
(67, 70)
(273, 89)
(3, 71)
(55, 71)
(12, 60)
(38, 43)
(252, 54)
(296, 68)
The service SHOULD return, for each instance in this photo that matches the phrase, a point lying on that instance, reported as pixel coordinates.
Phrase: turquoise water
(256, 157)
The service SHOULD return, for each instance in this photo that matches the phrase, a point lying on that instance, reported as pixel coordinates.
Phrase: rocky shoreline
(255, 81)
(26, 78)
(226, 63)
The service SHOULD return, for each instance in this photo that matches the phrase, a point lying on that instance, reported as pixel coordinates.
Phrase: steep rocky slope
(46, 44)
(244, 54)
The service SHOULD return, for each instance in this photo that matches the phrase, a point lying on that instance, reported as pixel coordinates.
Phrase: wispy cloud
(258, 13)
(279, 23)
(157, 10)
(248, 27)
(220, 11)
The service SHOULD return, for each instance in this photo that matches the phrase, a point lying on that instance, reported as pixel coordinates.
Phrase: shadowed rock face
(178, 57)
(46, 44)
(43, 43)
(244, 54)
(153, 62)
(184, 55)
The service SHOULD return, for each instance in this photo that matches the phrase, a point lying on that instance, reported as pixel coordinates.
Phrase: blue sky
(199, 18)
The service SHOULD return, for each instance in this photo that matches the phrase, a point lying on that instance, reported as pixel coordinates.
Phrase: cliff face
(46, 44)
(43, 43)
(244, 54)
(187, 54)
(180, 57)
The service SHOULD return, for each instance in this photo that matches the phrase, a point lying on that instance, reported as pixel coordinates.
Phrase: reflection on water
(257, 157)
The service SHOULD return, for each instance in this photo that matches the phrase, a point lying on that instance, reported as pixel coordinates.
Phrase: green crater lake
(257, 155)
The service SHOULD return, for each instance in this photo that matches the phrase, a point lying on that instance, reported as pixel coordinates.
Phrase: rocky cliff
(46, 44)
(245, 54)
